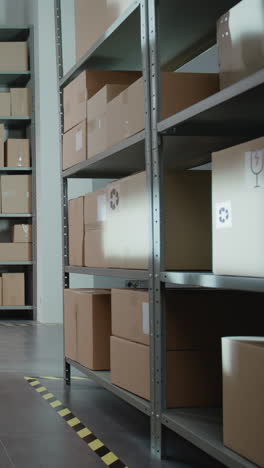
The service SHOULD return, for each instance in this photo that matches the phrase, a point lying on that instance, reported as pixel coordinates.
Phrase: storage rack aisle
(181, 141)
(17, 157)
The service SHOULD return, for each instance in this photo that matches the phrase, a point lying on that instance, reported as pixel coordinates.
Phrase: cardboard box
(193, 377)
(5, 104)
(17, 152)
(243, 396)
(240, 41)
(13, 289)
(1, 291)
(75, 145)
(14, 56)
(85, 86)
(97, 118)
(187, 212)
(76, 231)
(238, 220)
(16, 193)
(2, 146)
(90, 24)
(10, 252)
(94, 219)
(22, 233)
(89, 338)
(21, 102)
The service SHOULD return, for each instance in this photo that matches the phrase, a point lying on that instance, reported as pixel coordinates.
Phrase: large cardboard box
(85, 86)
(22, 233)
(240, 41)
(21, 102)
(16, 193)
(90, 24)
(76, 231)
(13, 289)
(2, 146)
(94, 220)
(187, 211)
(238, 218)
(97, 137)
(11, 252)
(88, 327)
(193, 377)
(13, 56)
(75, 145)
(243, 396)
(5, 104)
(17, 152)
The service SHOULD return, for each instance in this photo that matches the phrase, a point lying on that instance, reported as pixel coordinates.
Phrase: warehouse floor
(33, 435)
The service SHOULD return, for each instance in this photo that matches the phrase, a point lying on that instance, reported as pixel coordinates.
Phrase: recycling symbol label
(223, 215)
(114, 199)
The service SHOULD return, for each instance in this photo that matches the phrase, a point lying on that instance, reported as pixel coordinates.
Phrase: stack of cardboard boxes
(20, 247)
(12, 289)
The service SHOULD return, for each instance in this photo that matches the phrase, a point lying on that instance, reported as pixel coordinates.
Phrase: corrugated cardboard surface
(240, 40)
(243, 396)
(94, 219)
(17, 152)
(10, 252)
(13, 56)
(5, 104)
(87, 327)
(22, 233)
(97, 118)
(95, 209)
(90, 24)
(187, 222)
(76, 232)
(75, 145)
(16, 193)
(21, 102)
(2, 146)
(13, 289)
(193, 377)
(1, 291)
(85, 86)
(238, 191)
(94, 248)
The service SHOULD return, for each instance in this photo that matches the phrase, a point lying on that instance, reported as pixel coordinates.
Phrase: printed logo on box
(223, 215)
(114, 199)
(254, 167)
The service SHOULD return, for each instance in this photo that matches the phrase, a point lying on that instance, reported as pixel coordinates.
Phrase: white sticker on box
(223, 215)
(254, 168)
(145, 318)
(101, 208)
(79, 141)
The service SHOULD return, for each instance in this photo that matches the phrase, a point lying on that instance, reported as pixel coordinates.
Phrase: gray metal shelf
(111, 272)
(103, 378)
(15, 122)
(123, 159)
(15, 170)
(16, 308)
(203, 428)
(15, 263)
(14, 33)
(15, 215)
(209, 280)
(111, 51)
(14, 78)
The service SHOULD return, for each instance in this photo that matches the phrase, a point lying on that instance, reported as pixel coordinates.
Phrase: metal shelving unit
(26, 127)
(162, 41)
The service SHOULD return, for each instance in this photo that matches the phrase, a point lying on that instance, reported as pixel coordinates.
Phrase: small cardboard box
(94, 219)
(187, 209)
(243, 396)
(75, 145)
(16, 191)
(240, 41)
(90, 24)
(238, 218)
(87, 327)
(2, 146)
(21, 102)
(22, 233)
(5, 104)
(13, 56)
(85, 86)
(10, 252)
(76, 231)
(97, 118)
(17, 152)
(193, 377)
(13, 289)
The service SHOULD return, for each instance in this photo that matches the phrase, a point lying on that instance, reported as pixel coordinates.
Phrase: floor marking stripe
(95, 444)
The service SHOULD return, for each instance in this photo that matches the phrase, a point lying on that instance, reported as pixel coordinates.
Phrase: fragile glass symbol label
(223, 213)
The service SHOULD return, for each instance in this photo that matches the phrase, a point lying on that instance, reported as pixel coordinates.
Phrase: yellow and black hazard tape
(95, 444)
